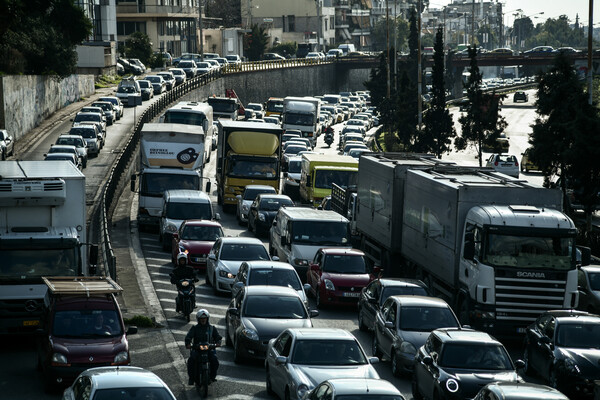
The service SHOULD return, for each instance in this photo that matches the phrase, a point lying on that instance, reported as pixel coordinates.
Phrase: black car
(263, 210)
(520, 96)
(260, 313)
(376, 293)
(563, 348)
(272, 56)
(456, 363)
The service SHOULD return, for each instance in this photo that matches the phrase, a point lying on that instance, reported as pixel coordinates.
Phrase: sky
(551, 9)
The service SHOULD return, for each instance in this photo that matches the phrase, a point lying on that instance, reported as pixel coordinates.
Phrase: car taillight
(496, 163)
(516, 163)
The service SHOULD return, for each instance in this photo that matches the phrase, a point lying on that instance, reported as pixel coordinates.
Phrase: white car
(299, 359)
(225, 258)
(115, 382)
(504, 163)
(117, 105)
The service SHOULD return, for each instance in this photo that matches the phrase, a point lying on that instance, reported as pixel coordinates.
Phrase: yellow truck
(320, 171)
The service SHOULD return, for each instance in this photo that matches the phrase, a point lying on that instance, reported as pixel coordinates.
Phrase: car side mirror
(314, 267)
(520, 364)
(307, 287)
(427, 360)
(212, 257)
(132, 330)
(234, 311)
(373, 360)
(175, 235)
(239, 196)
(389, 324)
(279, 360)
(274, 258)
(314, 313)
(217, 217)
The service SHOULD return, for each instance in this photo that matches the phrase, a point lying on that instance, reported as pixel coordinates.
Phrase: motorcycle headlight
(300, 261)
(572, 367)
(452, 385)
(171, 228)
(59, 358)
(302, 389)
(408, 348)
(122, 357)
(250, 333)
(226, 274)
(261, 217)
(328, 284)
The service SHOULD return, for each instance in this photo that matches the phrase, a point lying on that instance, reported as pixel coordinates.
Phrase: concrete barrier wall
(26, 100)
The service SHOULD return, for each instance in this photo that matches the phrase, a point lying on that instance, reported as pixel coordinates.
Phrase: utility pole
(589, 55)
(387, 36)
(201, 6)
(320, 25)
(473, 24)
(419, 72)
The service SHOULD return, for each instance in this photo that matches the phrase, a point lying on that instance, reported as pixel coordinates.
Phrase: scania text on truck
(42, 233)
(320, 171)
(302, 113)
(248, 153)
(171, 157)
(496, 247)
(193, 113)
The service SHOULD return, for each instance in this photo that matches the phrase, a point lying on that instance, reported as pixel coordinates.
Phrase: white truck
(302, 113)
(497, 248)
(171, 157)
(42, 234)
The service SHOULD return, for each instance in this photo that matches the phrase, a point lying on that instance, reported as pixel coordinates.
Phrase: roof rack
(81, 285)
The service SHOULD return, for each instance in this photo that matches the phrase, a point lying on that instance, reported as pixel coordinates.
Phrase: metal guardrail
(100, 220)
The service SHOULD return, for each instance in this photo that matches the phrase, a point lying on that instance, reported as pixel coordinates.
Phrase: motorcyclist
(181, 271)
(203, 332)
(329, 135)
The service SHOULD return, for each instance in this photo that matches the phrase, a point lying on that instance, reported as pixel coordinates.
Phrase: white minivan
(179, 205)
(347, 48)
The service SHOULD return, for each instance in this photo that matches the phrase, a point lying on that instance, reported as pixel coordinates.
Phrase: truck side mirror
(586, 255)
(93, 261)
(469, 250)
(133, 178)
(208, 186)
(283, 241)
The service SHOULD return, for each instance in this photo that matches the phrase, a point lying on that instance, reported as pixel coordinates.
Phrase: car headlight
(261, 217)
(300, 261)
(572, 367)
(226, 274)
(59, 358)
(245, 208)
(328, 284)
(452, 385)
(122, 357)
(171, 228)
(250, 333)
(301, 391)
(408, 348)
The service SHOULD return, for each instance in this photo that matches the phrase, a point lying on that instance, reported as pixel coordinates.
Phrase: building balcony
(361, 32)
(341, 24)
(345, 4)
(135, 10)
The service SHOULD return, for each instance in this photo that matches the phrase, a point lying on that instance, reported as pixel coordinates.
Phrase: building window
(331, 23)
(325, 24)
(126, 28)
(291, 23)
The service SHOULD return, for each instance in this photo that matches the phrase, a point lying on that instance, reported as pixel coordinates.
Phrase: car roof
(201, 222)
(447, 335)
(273, 196)
(401, 282)
(187, 195)
(70, 136)
(591, 268)
(240, 239)
(311, 214)
(523, 390)
(562, 314)
(258, 290)
(358, 386)
(341, 251)
(60, 156)
(265, 264)
(420, 301)
(321, 333)
(256, 187)
(123, 377)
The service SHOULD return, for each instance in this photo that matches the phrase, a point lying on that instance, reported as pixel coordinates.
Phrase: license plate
(31, 323)
(520, 330)
(351, 294)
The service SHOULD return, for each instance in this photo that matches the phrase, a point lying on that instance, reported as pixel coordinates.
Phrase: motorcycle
(186, 297)
(328, 139)
(202, 378)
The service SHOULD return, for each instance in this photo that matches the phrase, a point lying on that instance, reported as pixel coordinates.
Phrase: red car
(338, 275)
(197, 237)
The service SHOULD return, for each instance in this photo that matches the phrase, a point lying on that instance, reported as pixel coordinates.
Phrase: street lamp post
(320, 25)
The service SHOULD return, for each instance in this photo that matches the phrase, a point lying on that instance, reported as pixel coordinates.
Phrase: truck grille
(523, 299)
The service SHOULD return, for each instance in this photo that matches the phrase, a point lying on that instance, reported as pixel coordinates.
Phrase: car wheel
(250, 227)
(395, 367)
(206, 279)
(287, 394)
(361, 322)
(415, 391)
(527, 370)
(375, 348)
(268, 383)
(215, 284)
(237, 356)
(228, 341)
(318, 299)
(552, 382)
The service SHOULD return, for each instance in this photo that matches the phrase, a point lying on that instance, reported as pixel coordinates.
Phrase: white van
(298, 232)
(179, 205)
(347, 48)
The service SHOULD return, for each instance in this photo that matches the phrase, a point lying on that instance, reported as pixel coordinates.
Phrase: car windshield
(145, 84)
(201, 233)
(475, 356)
(154, 79)
(426, 319)
(110, 100)
(105, 107)
(274, 277)
(280, 307)
(86, 323)
(188, 210)
(294, 149)
(251, 193)
(295, 166)
(322, 233)
(324, 178)
(578, 335)
(133, 393)
(529, 252)
(271, 204)
(58, 149)
(87, 117)
(166, 77)
(231, 58)
(402, 290)
(328, 352)
(85, 133)
(344, 264)
(177, 71)
(70, 141)
(594, 281)
(203, 65)
(126, 89)
(243, 252)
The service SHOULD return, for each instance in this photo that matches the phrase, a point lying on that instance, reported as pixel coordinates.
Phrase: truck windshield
(529, 252)
(324, 178)
(187, 118)
(252, 168)
(298, 119)
(321, 233)
(189, 211)
(36, 261)
(275, 106)
(86, 323)
(222, 105)
(156, 184)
